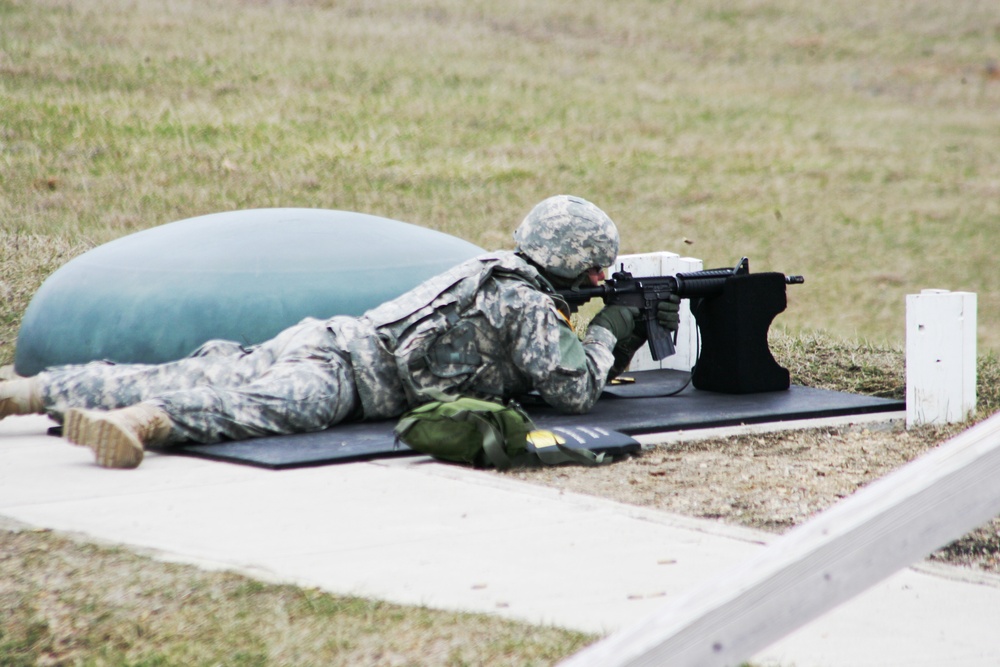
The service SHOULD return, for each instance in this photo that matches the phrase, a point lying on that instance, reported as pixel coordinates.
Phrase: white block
(940, 357)
(666, 264)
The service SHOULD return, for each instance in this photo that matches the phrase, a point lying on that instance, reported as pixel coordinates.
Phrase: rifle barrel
(695, 284)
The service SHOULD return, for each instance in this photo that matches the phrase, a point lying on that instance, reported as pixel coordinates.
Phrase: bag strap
(558, 453)
(493, 448)
(493, 440)
(402, 426)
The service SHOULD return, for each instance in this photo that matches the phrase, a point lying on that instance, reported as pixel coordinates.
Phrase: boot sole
(113, 446)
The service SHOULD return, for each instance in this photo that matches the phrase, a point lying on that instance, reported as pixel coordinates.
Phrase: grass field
(856, 142)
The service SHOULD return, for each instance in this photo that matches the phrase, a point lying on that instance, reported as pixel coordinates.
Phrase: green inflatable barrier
(156, 295)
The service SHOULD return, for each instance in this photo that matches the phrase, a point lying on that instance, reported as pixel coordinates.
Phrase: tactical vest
(432, 339)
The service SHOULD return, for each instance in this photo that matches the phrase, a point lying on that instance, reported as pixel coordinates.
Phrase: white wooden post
(665, 264)
(811, 569)
(940, 357)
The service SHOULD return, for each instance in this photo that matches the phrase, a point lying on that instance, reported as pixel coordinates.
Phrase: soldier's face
(594, 276)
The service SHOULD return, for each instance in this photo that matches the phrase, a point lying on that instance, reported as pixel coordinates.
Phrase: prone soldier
(492, 327)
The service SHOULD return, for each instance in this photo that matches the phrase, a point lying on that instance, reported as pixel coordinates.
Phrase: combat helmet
(567, 235)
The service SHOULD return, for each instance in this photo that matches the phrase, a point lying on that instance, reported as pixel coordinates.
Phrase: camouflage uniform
(485, 327)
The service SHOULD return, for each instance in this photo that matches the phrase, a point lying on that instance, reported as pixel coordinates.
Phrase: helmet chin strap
(557, 281)
(565, 283)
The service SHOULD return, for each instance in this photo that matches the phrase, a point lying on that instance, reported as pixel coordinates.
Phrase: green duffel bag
(483, 433)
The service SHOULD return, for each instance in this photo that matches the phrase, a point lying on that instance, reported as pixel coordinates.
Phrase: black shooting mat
(636, 408)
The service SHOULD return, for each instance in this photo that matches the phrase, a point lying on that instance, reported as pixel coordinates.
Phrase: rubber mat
(643, 406)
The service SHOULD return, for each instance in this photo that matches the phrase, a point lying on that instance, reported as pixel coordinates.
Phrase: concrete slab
(419, 532)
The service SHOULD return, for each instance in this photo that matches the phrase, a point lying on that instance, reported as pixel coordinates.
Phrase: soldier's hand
(668, 312)
(619, 320)
(626, 349)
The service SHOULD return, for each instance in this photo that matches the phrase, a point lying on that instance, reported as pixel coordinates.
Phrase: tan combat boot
(118, 437)
(20, 397)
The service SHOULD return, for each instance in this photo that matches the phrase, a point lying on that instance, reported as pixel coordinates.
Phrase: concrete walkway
(418, 532)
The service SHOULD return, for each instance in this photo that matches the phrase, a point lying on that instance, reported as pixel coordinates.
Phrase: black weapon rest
(735, 357)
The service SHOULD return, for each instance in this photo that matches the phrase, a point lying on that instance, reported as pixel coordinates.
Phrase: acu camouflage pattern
(298, 381)
(568, 235)
(484, 328)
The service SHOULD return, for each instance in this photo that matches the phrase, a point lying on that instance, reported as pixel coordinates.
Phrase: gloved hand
(619, 320)
(668, 313)
(626, 349)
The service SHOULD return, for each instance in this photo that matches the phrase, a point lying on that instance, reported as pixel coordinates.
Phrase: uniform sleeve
(567, 373)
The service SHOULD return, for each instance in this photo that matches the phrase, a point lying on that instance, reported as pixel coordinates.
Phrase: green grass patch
(854, 143)
(72, 603)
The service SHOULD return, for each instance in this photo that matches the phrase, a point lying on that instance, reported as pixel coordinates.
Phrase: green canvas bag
(482, 433)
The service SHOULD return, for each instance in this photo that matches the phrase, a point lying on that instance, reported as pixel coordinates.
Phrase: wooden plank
(882, 528)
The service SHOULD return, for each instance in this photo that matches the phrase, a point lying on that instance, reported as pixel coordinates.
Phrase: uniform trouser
(299, 381)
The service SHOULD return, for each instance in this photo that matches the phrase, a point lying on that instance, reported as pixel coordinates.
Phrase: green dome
(158, 294)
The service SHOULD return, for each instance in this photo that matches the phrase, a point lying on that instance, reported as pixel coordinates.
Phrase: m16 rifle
(646, 293)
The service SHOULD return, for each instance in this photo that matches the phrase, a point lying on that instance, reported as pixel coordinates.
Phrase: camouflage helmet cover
(567, 235)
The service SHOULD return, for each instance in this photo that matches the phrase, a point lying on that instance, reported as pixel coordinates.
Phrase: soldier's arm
(568, 373)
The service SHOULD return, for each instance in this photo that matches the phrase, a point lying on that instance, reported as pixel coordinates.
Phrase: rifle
(646, 293)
